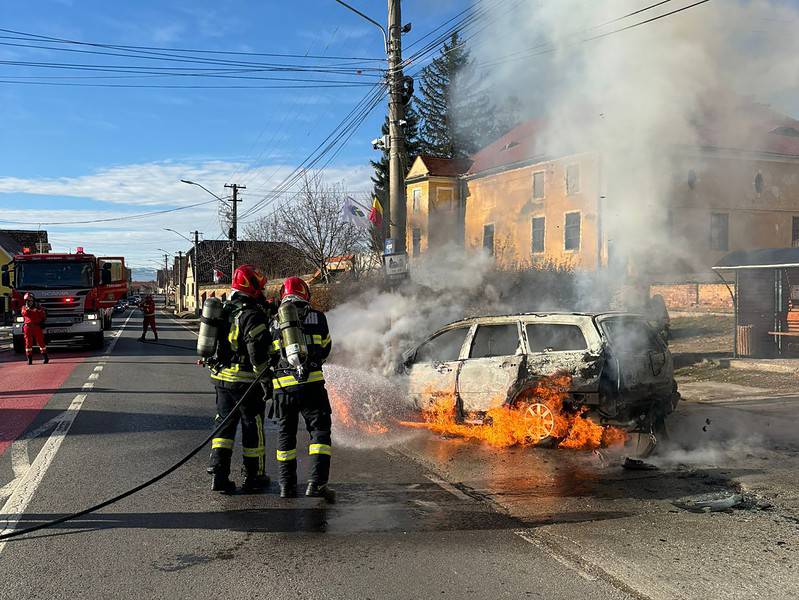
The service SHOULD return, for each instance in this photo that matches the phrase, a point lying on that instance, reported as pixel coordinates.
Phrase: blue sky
(72, 153)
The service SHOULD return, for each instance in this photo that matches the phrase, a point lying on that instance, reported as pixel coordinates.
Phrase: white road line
(87, 386)
(94, 376)
(27, 485)
(445, 485)
(528, 537)
(185, 327)
(23, 493)
(98, 368)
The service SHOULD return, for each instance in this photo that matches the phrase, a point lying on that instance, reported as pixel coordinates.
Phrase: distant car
(621, 369)
(133, 301)
(120, 307)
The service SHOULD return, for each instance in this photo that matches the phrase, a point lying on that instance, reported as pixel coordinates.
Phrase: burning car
(617, 370)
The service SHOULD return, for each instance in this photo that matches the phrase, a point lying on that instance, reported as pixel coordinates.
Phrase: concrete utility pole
(179, 281)
(166, 277)
(196, 272)
(394, 213)
(234, 224)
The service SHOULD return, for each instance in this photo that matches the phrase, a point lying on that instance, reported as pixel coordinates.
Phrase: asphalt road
(417, 517)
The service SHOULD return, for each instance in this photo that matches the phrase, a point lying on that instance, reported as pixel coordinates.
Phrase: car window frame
(519, 334)
(661, 345)
(466, 340)
(529, 350)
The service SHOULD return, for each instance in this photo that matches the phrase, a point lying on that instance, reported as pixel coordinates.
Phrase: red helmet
(28, 296)
(248, 280)
(295, 289)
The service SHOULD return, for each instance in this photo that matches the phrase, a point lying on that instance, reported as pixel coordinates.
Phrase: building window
(488, 238)
(571, 232)
(417, 241)
(538, 234)
(719, 231)
(538, 184)
(759, 183)
(795, 232)
(445, 200)
(572, 179)
(417, 200)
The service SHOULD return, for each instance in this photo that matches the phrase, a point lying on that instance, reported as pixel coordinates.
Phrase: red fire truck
(78, 291)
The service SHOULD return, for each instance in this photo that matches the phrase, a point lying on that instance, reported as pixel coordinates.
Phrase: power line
(186, 87)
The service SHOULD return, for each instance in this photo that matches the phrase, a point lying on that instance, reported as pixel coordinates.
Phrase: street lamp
(368, 18)
(199, 185)
(178, 233)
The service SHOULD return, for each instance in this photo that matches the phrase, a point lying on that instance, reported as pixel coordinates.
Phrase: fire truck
(78, 291)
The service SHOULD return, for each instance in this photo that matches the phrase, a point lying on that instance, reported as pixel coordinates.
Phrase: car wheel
(538, 418)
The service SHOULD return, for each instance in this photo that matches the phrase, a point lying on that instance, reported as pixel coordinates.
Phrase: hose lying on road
(148, 483)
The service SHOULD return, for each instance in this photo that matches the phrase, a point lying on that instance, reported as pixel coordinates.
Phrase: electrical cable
(146, 484)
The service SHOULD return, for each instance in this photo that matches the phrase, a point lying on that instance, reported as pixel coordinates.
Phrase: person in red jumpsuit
(147, 307)
(34, 315)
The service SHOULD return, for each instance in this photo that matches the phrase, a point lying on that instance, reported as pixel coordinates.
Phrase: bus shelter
(766, 300)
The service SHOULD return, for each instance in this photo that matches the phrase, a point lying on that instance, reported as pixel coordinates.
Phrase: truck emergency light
(26, 250)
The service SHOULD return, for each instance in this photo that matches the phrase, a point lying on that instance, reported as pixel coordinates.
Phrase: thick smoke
(642, 99)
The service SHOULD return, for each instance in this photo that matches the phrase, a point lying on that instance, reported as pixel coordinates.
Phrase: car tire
(19, 344)
(520, 400)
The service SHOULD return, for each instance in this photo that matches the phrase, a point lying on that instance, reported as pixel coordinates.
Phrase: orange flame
(344, 417)
(538, 416)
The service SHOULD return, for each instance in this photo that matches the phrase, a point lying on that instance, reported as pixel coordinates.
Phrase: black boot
(141, 339)
(221, 483)
(288, 490)
(255, 483)
(46, 358)
(316, 490)
(30, 359)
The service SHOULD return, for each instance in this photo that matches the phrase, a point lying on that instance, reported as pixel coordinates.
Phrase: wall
(699, 297)
(438, 217)
(506, 200)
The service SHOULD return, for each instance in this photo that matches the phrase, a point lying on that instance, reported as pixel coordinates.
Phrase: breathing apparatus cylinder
(292, 336)
(209, 327)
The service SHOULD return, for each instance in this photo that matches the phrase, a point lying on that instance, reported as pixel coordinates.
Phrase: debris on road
(635, 464)
(710, 502)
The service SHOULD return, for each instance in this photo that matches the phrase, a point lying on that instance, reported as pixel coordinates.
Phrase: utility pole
(196, 272)
(395, 211)
(179, 280)
(234, 224)
(166, 277)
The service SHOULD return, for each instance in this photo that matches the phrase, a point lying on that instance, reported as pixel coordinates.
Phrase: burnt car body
(621, 370)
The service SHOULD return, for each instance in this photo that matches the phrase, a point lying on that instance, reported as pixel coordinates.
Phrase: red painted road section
(26, 390)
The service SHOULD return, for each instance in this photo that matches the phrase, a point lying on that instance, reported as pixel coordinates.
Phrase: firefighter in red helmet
(33, 315)
(242, 354)
(301, 343)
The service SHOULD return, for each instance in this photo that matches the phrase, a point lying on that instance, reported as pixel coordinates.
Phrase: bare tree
(312, 222)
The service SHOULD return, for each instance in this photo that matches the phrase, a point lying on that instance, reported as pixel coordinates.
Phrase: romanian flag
(376, 214)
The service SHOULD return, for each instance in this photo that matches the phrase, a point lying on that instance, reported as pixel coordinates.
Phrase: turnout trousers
(309, 400)
(34, 336)
(251, 416)
(149, 322)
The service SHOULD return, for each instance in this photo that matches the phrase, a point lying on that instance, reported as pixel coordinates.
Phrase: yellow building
(525, 208)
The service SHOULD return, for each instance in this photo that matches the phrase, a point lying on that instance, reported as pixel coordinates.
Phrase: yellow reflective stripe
(258, 369)
(233, 375)
(290, 380)
(233, 336)
(276, 344)
(325, 342)
(319, 449)
(285, 455)
(253, 452)
(257, 331)
(225, 443)
(316, 339)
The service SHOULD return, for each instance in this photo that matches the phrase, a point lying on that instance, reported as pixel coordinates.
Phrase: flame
(345, 418)
(537, 416)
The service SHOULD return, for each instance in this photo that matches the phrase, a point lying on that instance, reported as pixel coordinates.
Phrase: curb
(735, 363)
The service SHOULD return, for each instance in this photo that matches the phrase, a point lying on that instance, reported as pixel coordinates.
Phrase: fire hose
(148, 483)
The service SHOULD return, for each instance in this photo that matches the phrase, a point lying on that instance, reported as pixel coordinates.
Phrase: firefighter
(242, 354)
(147, 307)
(301, 391)
(34, 315)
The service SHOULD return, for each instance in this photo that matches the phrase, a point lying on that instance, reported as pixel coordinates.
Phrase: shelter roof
(760, 258)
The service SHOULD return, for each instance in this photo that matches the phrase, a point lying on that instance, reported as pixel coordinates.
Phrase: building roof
(275, 259)
(14, 240)
(444, 167)
(760, 258)
(757, 128)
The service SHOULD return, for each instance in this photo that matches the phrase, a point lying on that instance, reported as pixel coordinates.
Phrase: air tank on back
(292, 336)
(209, 327)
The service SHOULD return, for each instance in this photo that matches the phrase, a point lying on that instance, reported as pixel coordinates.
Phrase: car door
(492, 366)
(433, 367)
(564, 347)
(641, 361)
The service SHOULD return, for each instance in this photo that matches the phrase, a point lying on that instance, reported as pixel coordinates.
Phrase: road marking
(87, 386)
(25, 487)
(94, 376)
(98, 368)
(445, 485)
(528, 537)
(185, 327)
